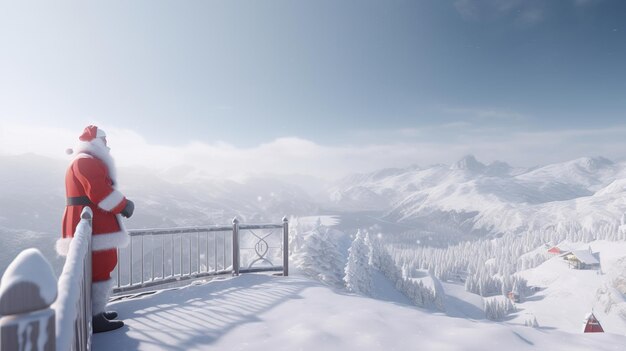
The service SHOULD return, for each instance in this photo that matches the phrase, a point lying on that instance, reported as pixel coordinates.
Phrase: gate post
(235, 246)
(285, 246)
(27, 290)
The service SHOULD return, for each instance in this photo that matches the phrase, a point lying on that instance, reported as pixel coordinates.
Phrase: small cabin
(591, 324)
(582, 259)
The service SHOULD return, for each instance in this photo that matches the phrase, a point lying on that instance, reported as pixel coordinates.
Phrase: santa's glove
(128, 209)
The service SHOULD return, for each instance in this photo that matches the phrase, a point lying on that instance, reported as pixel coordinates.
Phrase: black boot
(110, 315)
(101, 324)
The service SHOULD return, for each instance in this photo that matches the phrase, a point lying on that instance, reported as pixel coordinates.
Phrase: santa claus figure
(91, 181)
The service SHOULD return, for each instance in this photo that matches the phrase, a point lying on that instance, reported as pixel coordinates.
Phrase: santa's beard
(101, 151)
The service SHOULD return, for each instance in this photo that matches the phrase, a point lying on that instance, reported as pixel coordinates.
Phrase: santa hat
(90, 133)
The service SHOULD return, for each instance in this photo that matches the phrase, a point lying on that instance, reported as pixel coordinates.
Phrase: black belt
(78, 201)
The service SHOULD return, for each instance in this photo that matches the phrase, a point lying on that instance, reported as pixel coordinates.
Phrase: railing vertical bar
(130, 262)
(224, 253)
(285, 246)
(162, 256)
(181, 255)
(235, 246)
(172, 255)
(207, 252)
(152, 250)
(142, 259)
(190, 255)
(198, 252)
(119, 265)
(215, 251)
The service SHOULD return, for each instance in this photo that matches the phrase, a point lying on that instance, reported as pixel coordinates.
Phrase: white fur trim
(111, 201)
(83, 155)
(100, 293)
(63, 246)
(100, 242)
(97, 149)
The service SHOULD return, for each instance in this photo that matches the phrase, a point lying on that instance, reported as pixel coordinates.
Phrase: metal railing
(63, 322)
(41, 313)
(170, 255)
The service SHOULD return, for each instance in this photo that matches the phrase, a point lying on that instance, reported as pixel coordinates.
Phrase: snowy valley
(444, 257)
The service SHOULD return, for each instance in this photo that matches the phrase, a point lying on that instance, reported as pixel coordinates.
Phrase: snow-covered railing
(31, 319)
(73, 305)
(169, 255)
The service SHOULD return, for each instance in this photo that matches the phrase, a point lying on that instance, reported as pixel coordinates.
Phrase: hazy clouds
(294, 155)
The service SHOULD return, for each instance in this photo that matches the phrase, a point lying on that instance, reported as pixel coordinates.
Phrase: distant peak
(593, 163)
(469, 163)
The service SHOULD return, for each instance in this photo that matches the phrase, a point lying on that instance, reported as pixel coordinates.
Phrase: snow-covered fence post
(285, 246)
(73, 306)
(235, 246)
(27, 290)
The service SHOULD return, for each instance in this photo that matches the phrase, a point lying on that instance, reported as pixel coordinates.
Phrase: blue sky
(335, 73)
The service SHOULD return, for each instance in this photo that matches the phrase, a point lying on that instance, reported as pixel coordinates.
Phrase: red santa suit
(90, 181)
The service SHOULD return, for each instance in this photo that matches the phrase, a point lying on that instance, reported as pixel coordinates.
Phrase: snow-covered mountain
(468, 196)
(444, 203)
(490, 198)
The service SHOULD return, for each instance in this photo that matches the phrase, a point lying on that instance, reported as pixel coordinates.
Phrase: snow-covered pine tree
(531, 323)
(319, 257)
(498, 308)
(296, 232)
(382, 260)
(332, 262)
(358, 275)
(438, 293)
(306, 257)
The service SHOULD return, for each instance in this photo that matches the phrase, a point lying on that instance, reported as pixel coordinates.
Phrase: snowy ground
(462, 304)
(262, 312)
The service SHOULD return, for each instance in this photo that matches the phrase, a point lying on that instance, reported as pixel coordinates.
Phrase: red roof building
(592, 325)
(554, 250)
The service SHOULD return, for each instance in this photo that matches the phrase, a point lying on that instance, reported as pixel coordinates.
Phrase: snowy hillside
(253, 312)
(566, 295)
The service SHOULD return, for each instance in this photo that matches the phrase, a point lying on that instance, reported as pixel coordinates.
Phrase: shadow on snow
(197, 315)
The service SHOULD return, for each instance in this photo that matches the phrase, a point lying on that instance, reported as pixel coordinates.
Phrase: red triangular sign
(593, 325)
